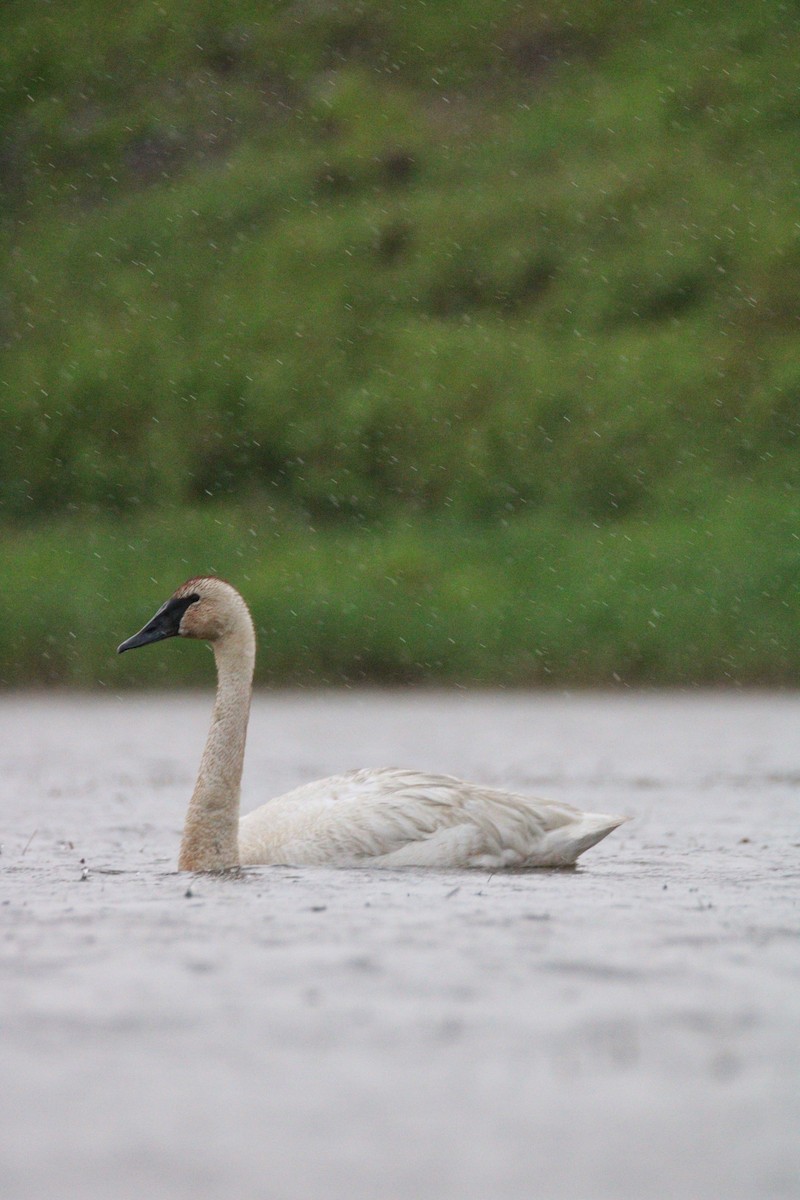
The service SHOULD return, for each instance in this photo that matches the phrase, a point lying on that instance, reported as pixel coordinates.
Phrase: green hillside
(498, 301)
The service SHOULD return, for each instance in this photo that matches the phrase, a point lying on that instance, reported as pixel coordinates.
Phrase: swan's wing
(401, 818)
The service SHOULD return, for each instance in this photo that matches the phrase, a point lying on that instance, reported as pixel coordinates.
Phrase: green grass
(534, 600)
(496, 298)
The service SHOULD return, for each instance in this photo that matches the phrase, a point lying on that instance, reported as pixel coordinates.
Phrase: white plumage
(380, 817)
(395, 818)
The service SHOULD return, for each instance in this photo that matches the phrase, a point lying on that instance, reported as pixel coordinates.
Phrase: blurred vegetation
(529, 601)
(462, 336)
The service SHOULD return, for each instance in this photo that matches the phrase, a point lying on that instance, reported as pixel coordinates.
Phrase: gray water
(629, 1029)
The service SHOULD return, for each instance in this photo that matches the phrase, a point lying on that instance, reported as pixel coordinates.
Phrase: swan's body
(394, 818)
(384, 817)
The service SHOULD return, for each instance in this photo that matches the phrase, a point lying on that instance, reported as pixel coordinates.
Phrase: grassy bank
(713, 599)
(483, 317)
(367, 264)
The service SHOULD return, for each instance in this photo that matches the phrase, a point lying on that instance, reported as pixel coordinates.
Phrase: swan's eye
(186, 603)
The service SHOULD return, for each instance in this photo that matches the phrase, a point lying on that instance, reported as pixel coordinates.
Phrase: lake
(625, 1030)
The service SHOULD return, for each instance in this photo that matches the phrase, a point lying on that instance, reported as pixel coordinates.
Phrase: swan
(383, 817)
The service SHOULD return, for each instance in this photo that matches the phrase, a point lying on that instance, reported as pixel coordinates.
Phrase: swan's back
(389, 817)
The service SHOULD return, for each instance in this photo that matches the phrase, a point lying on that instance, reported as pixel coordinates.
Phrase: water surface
(628, 1029)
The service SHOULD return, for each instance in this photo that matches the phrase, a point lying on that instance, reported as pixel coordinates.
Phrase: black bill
(165, 624)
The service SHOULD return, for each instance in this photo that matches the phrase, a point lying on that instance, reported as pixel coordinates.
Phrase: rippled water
(625, 1030)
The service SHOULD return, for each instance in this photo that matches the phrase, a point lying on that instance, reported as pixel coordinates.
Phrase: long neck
(211, 833)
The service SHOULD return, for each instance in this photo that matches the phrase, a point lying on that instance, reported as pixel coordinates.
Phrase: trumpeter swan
(383, 817)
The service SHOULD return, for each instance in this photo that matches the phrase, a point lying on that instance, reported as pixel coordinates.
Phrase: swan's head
(206, 608)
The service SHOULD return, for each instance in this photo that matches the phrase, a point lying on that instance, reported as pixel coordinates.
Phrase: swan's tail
(592, 829)
(565, 844)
